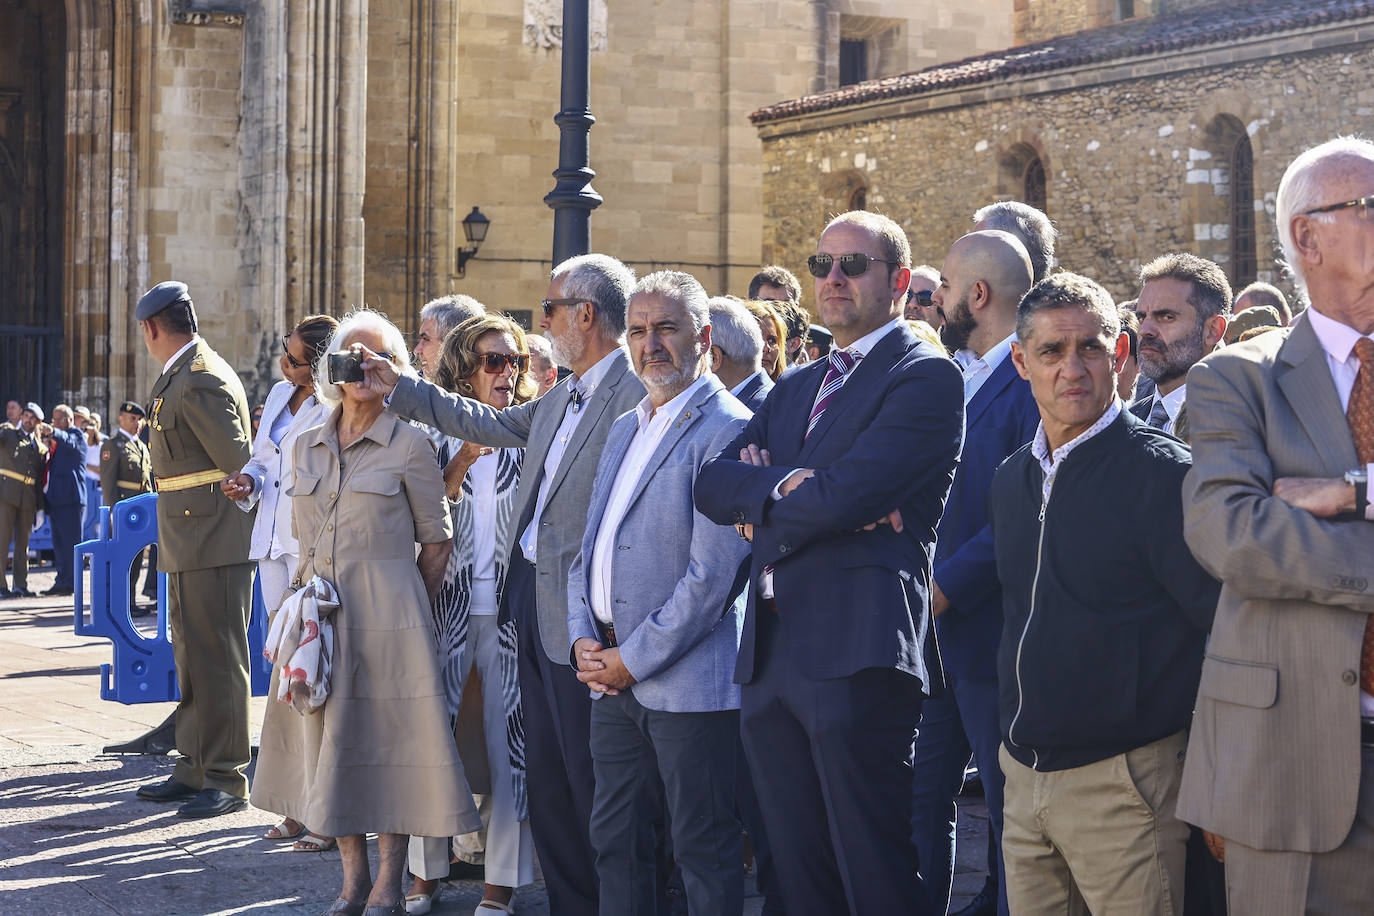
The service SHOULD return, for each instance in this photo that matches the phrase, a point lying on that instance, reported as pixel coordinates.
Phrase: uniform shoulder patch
(198, 364)
(105, 455)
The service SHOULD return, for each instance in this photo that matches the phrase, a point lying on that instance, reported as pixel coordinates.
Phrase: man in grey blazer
(654, 615)
(1280, 763)
(736, 356)
(563, 433)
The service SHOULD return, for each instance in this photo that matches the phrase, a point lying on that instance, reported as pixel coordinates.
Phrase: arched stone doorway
(32, 175)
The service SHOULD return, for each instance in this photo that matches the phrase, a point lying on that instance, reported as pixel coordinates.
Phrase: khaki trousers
(16, 524)
(207, 614)
(1260, 883)
(1100, 838)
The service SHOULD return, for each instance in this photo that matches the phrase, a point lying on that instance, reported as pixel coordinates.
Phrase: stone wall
(1036, 20)
(1132, 163)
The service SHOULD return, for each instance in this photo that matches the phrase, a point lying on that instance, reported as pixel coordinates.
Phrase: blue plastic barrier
(39, 539)
(143, 670)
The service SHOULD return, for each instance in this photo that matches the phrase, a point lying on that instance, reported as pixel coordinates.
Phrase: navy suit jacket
(67, 469)
(847, 599)
(755, 390)
(1001, 418)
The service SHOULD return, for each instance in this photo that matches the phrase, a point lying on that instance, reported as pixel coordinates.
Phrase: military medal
(157, 405)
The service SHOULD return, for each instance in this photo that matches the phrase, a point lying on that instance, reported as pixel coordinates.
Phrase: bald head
(982, 281)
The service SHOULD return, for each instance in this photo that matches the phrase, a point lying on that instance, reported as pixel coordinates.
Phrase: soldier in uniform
(126, 469)
(22, 460)
(199, 420)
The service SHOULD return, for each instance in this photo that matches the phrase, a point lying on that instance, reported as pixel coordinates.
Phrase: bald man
(982, 281)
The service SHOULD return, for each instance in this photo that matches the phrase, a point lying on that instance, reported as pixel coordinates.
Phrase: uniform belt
(15, 475)
(129, 484)
(187, 481)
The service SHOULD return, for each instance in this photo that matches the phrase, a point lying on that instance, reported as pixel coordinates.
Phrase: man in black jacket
(1106, 612)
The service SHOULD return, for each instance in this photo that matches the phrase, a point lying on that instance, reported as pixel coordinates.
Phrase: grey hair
(925, 270)
(680, 287)
(540, 349)
(1068, 290)
(363, 319)
(450, 311)
(601, 280)
(736, 331)
(1266, 294)
(1300, 190)
(1028, 224)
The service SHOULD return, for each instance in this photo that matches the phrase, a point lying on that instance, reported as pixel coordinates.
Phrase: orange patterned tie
(1360, 414)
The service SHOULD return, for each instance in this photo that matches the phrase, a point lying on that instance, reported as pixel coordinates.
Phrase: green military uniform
(200, 434)
(126, 468)
(22, 459)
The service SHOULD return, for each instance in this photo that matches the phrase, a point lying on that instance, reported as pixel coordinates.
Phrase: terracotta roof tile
(1172, 32)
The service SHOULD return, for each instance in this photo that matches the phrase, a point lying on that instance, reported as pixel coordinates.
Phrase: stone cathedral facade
(289, 157)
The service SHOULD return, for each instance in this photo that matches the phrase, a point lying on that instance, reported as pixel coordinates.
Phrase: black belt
(608, 640)
(1367, 732)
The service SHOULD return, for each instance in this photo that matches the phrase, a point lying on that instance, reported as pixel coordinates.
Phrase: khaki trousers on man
(207, 614)
(15, 523)
(1100, 838)
(1260, 883)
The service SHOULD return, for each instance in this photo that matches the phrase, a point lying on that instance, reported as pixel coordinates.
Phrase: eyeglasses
(1366, 205)
(924, 297)
(496, 363)
(550, 304)
(289, 358)
(852, 265)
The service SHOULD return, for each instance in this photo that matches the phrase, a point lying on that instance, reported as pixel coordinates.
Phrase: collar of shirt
(1338, 340)
(863, 345)
(125, 433)
(596, 374)
(993, 357)
(674, 408)
(1049, 463)
(1174, 400)
(749, 378)
(167, 367)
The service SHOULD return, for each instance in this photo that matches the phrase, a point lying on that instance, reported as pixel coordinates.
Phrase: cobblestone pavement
(73, 839)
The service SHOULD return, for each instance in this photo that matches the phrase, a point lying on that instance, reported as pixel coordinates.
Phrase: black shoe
(985, 904)
(141, 610)
(211, 803)
(21, 593)
(59, 591)
(167, 791)
(465, 871)
(6, 593)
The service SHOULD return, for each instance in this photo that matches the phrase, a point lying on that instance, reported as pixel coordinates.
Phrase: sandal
(487, 907)
(279, 832)
(313, 843)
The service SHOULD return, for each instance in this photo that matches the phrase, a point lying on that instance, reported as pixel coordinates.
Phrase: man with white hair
(737, 352)
(437, 318)
(542, 367)
(1029, 224)
(1280, 762)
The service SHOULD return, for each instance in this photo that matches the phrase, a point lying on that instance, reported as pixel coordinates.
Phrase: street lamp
(572, 199)
(475, 227)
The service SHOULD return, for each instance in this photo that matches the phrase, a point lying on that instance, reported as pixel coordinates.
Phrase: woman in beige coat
(367, 490)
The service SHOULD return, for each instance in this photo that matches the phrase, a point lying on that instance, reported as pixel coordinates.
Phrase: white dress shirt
(595, 375)
(482, 480)
(982, 368)
(653, 425)
(166, 367)
(1173, 403)
(1338, 340)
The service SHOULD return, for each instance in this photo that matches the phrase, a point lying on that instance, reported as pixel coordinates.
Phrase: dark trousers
(558, 759)
(747, 804)
(150, 578)
(645, 758)
(832, 765)
(66, 534)
(959, 724)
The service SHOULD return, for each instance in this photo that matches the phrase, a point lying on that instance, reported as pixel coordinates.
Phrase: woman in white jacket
(290, 410)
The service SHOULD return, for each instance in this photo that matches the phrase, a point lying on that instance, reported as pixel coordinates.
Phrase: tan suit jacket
(199, 421)
(1274, 757)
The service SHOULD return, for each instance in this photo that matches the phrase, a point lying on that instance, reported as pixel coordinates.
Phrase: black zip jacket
(1105, 609)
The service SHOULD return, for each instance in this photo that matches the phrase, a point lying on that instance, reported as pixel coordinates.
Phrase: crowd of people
(690, 569)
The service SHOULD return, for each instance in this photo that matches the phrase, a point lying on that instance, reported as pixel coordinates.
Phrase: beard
(1174, 359)
(569, 347)
(674, 382)
(959, 324)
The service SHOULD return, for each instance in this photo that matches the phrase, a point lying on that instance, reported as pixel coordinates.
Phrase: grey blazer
(677, 603)
(1274, 755)
(532, 426)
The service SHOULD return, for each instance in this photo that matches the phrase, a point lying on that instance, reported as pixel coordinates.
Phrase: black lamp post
(572, 199)
(475, 226)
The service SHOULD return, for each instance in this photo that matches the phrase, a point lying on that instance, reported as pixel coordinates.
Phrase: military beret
(1256, 316)
(167, 293)
(820, 335)
(132, 407)
(34, 409)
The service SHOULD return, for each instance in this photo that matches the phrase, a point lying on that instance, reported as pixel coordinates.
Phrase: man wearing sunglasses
(839, 480)
(563, 434)
(1280, 760)
(919, 304)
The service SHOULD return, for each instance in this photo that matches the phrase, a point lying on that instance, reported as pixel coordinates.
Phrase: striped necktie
(1159, 414)
(1359, 413)
(841, 362)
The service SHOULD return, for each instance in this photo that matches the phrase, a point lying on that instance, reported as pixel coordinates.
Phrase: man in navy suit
(737, 352)
(982, 280)
(66, 493)
(840, 479)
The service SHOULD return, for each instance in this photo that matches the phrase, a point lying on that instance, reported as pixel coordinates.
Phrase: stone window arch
(1022, 175)
(1220, 201)
(845, 190)
(1243, 240)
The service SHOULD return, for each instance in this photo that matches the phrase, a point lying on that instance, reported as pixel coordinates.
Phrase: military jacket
(23, 455)
(126, 468)
(199, 419)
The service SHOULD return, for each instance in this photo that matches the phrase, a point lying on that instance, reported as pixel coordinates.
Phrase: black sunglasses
(550, 304)
(289, 358)
(1366, 205)
(496, 363)
(851, 265)
(923, 297)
